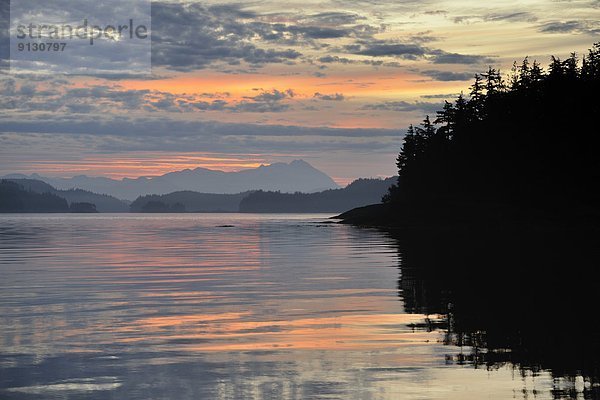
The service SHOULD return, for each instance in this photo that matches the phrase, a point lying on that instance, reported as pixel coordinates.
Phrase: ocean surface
(230, 306)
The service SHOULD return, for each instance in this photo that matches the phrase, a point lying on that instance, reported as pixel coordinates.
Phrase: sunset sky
(238, 84)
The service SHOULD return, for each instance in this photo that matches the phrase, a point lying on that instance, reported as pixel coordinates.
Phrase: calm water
(227, 307)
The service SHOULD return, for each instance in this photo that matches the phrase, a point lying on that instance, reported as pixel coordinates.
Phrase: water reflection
(528, 301)
(277, 307)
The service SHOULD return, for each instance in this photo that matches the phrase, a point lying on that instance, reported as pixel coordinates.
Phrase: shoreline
(475, 218)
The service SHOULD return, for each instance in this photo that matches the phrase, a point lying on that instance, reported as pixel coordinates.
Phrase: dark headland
(518, 150)
(496, 217)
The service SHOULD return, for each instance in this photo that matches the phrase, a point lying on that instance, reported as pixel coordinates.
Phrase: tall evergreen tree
(529, 144)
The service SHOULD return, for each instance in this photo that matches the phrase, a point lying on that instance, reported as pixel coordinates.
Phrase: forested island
(520, 148)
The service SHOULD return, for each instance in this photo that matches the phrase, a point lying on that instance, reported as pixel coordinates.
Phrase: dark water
(284, 307)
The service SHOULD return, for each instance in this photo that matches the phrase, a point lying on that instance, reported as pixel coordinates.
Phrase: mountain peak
(300, 163)
(297, 176)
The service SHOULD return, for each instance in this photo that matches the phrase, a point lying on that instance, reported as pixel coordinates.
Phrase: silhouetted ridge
(15, 199)
(102, 202)
(358, 193)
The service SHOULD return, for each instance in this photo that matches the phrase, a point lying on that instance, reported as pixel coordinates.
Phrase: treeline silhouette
(15, 198)
(103, 202)
(188, 201)
(83, 207)
(154, 206)
(527, 141)
(358, 193)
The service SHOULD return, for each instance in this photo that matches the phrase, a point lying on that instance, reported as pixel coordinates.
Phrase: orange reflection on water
(170, 321)
(234, 331)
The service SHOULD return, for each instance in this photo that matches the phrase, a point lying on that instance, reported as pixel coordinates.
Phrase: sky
(235, 85)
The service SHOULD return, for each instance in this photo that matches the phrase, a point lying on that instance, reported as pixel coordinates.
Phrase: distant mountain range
(297, 176)
(30, 195)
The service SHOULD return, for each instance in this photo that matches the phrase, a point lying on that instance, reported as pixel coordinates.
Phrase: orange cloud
(360, 82)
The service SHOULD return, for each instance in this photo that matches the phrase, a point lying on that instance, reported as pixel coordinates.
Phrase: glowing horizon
(261, 83)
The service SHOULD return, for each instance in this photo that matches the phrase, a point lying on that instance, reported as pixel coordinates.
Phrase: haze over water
(221, 306)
